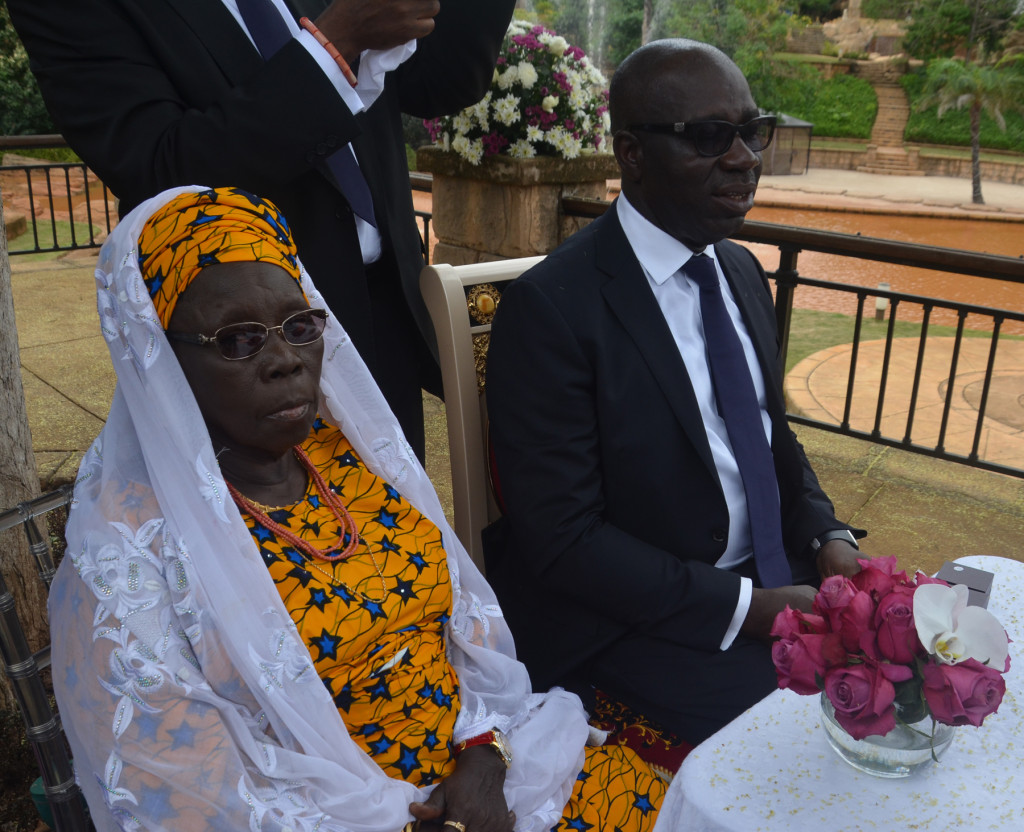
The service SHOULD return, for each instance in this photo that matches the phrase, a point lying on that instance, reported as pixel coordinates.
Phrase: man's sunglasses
(713, 138)
(237, 341)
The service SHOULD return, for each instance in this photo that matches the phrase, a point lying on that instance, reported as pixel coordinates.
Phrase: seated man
(659, 511)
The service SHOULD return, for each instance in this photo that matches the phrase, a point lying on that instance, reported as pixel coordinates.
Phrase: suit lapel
(631, 300)
(228, 45)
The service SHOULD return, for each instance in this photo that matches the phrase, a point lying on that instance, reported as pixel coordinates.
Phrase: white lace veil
(188, 697)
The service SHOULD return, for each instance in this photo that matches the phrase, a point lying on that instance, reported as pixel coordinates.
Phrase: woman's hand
(471, 796)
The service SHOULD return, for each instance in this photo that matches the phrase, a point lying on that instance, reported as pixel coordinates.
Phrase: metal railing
(61, 195)
(791, 241)
(22, 668)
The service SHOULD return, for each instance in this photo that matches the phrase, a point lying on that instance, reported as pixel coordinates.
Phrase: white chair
(461, 301)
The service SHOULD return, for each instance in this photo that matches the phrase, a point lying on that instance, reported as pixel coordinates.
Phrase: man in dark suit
(163, 93)
(632, 555)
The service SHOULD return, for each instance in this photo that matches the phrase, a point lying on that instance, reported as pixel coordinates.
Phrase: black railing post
(785, 283)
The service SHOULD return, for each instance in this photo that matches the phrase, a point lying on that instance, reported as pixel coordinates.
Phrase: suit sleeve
(145, 104)
(453, 66)
(548, 449)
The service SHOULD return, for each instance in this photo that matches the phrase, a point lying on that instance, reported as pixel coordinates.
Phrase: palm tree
(953, 84)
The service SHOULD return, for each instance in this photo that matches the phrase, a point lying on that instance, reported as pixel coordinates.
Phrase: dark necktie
(737, 401)
(270, 33)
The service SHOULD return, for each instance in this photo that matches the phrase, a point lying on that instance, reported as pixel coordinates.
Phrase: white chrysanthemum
(577, 99)
(508, 77)
(527, 75)
(549, 103)
(479, 111)
(475, 152)
(521, 149)
(557, 45)
(506, 110)
(596, 77)
(462, 124)
(534, 133)
(446, 141)
(606, 121)
(460, 144)
(545, 37)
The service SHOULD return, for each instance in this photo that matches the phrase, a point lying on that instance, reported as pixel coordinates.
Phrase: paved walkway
(922, 510)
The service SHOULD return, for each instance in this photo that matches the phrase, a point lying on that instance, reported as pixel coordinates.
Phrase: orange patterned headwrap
(195, 230)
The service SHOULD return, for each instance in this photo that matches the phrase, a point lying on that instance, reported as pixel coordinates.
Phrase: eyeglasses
(238, 341)
(713, 138)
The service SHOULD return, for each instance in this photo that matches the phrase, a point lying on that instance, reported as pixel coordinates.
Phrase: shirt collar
(660, 254)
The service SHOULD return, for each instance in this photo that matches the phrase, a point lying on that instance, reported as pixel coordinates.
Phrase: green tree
(21, 106)
(968, 28)
(751, 32)
(952, 83)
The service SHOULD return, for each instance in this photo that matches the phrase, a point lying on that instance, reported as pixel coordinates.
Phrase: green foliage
(624, 24)
(943, 28)
(886, 9)
(953, 128)
(842, 106)
(751, 32)
(21, 106)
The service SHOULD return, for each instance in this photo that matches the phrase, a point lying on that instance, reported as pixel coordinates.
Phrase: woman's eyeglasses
(237, 341)
(713, 138)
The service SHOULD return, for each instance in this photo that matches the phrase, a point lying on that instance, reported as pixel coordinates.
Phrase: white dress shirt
(373, 64)
(662, 258)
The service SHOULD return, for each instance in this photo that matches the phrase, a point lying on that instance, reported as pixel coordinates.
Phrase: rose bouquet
(884, 647)
(546, 99)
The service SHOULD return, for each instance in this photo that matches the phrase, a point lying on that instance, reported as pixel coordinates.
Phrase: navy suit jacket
(154, 94)
(614, 512)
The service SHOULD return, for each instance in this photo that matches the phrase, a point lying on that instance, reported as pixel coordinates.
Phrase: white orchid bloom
(952, 631)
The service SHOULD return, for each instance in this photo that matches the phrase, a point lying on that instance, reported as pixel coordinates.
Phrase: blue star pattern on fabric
(327, 645)
(408, 760)
(388, 519)
(643, 802)
(182, 736)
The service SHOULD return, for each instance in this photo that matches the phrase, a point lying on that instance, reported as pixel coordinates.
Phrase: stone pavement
(923, 510)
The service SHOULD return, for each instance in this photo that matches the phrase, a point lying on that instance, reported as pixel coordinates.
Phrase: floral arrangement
(546, 99)
(885, 647)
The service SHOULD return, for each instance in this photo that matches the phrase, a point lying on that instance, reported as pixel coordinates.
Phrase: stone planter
(507, 207)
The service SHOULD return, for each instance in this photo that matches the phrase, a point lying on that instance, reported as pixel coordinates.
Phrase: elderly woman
(263, 620)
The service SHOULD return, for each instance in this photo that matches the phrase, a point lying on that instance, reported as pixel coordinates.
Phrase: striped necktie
(737, 402)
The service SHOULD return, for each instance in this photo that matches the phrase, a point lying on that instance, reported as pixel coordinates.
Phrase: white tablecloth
(772, 768)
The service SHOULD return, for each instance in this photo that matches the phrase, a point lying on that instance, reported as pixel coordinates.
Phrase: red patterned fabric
(661, 750)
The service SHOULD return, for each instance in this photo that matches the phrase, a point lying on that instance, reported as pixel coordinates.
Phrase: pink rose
(894, 622)
(964, 693)
(921, 579)
(801, 662)
(862, 697)
(878, 577)
(836, 592)
(791, 623)
(855, 625)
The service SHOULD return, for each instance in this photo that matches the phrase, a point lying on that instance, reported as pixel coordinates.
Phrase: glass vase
(901, 752)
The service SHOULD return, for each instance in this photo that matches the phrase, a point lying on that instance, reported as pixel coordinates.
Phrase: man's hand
(765, 604)
(355, 25)
(837, 557)
(471, 795)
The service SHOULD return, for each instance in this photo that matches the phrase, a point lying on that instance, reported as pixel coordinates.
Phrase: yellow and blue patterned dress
(374, 625)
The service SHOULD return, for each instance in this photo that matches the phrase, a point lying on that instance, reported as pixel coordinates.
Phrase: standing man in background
(163, 93)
